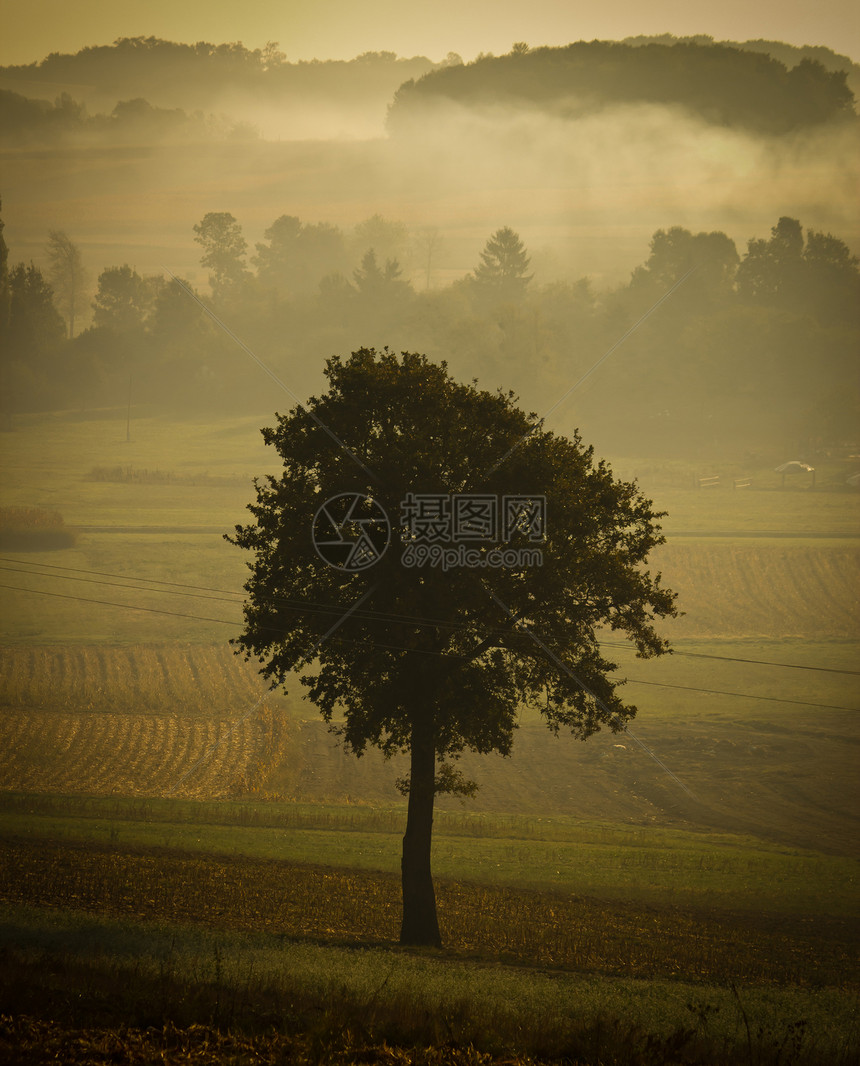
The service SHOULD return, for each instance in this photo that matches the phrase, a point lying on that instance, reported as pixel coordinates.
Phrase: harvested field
(773, 590)
(184, 680)
(100, 753)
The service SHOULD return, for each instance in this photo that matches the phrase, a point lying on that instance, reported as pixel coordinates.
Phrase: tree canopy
(424, 658)
(298, 254)
(501, 273)
(712, 256)
(376, 282)
(722, 84)
(224, 249)
(122, 301)
(35, 325)
(820, 276)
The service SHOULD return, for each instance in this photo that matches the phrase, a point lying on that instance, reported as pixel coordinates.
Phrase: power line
(743, 695)
(126, 606)
(311, 606)
(316, 607)
(424, 651)
(592, 695)
(303, 606)
(737, 659)
(102, 573)
(126, 585)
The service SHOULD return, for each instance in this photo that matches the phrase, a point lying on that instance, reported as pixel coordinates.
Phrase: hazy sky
(331, 29)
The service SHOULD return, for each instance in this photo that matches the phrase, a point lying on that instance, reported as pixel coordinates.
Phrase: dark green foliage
(436, 665)
(379, 284)
(417, 430)
(23, 119)
(175, 320)
(788, 54)
(138, 120)
(757, 352)
(721, 84)
(712, 257)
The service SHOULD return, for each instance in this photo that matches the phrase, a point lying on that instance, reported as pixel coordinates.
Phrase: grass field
(201, 857)
(773, 565)
(366, 1003)
(560, 854)
(534, 970)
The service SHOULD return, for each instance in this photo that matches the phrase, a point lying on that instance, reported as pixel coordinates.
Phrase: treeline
(745, 348)
(789, 54)
(193, 75)
(763, 86)
(27, 121)
(724, 85)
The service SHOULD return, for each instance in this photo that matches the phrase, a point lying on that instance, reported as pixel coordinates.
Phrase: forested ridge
(26, 121)
(100, 88)
(721, 84)
(191, 74)
(147, 88)
(789, 54)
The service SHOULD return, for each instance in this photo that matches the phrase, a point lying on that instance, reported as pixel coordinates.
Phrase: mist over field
(586, 153)
(585, 181)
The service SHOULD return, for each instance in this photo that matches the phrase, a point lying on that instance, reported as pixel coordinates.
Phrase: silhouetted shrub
(32, 529)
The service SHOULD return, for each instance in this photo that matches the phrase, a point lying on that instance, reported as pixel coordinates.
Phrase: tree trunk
(420, 925)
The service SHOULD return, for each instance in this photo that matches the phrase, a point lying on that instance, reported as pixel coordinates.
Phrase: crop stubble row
(197, 679)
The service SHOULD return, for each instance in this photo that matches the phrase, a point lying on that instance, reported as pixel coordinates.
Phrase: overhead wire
(313, 606)
(424, 651)
(739, 659)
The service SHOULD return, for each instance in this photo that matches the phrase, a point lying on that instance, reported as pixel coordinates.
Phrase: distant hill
(789, 54)
(730, 86)
(210, 77)
(766, 86)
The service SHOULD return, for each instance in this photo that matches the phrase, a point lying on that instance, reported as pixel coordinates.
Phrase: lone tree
(67, 275)
(502, 272)
(224, 249)
(417, 658)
